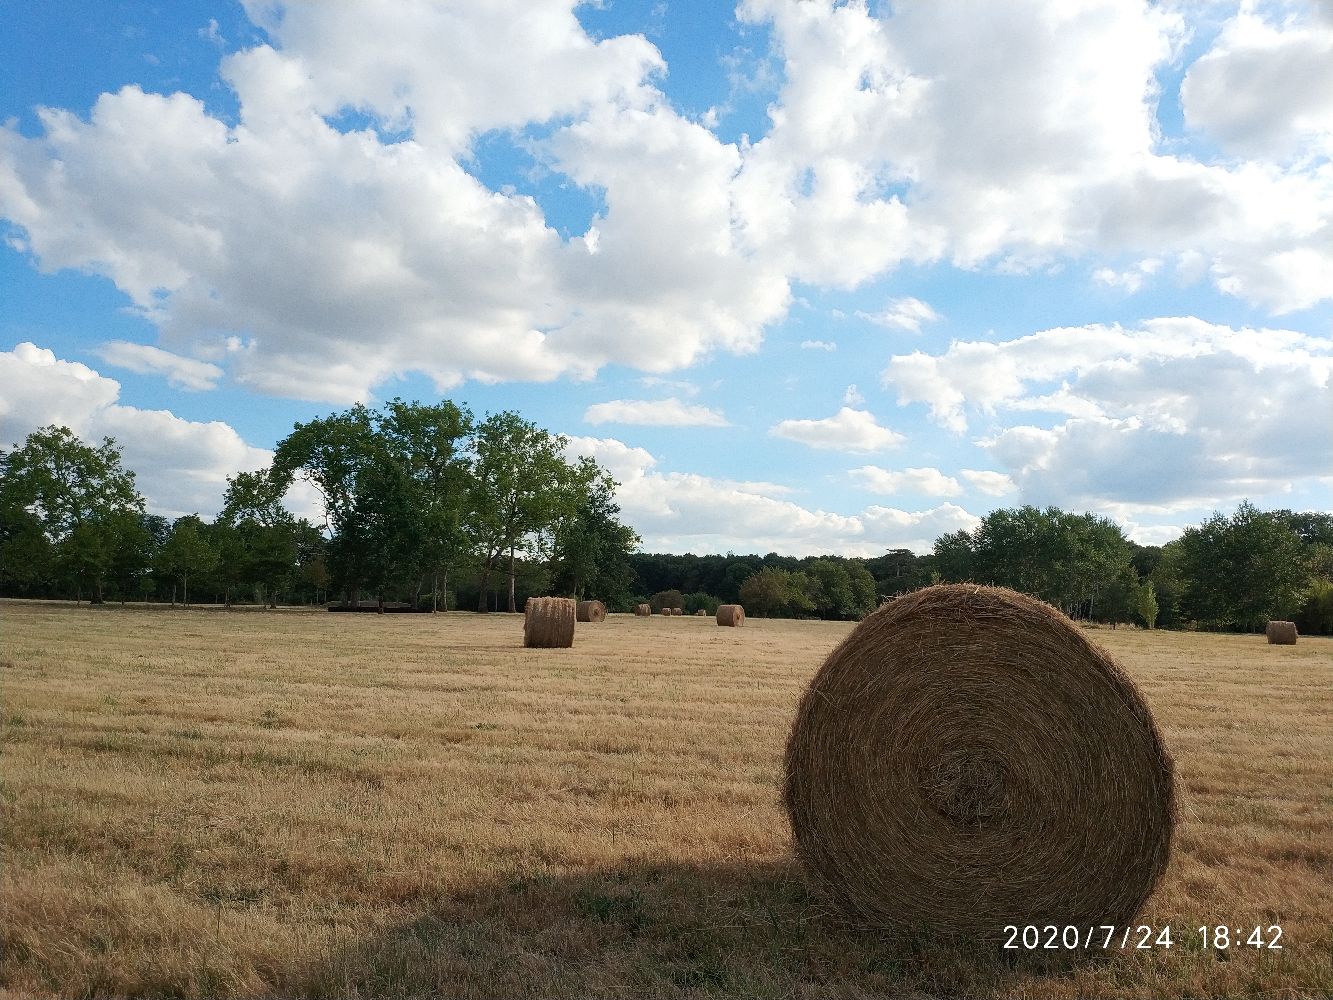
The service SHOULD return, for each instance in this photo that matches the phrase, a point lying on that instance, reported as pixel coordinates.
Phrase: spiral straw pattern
(966, 759)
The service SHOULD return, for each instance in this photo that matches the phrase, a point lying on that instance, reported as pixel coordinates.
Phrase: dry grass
(209, 804)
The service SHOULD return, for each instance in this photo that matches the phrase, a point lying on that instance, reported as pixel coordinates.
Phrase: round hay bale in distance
(591, 611)
(966, 759)
(730, 614)
(1281, 633)
(548, 622)
(643, 610)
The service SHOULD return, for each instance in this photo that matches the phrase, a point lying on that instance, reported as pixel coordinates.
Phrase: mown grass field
(199, 803)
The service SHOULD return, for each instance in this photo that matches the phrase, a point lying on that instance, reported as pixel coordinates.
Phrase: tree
(430, 443)
(1242, 570)
(772, 591)
(953, 557)
(79, 494)
(666, 599)
(333, 454)
(188, 551)
(515, 491)
(1145, 603)
(591, 546)
(864, 596)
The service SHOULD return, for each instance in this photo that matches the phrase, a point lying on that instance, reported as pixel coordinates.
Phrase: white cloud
(1131, 279)
(995, 484)
(181, 465)
(903, 314)
(1265, 90)
(847, 430)
(684, 512)
(653, 413)
(343, 258)
(1177, 413)
(925, 481)
(818, 345)
(853, 397)
(181, 372)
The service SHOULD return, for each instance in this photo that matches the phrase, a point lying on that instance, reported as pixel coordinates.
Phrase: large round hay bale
(730, 614)
(548, 622)
(591, 611)
(643, 610)
(1281, 633)
(966, 759)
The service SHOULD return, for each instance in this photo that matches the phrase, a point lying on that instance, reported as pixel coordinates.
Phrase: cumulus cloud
(818, 345)
(925, 481)
(181, 372)
(847, 430)
(903, 314)
(853, 396)
(1265, 90)
(685, 512)
(653, 413)
(1175, 413)
(995, 484)
(1131, 279)
(336, 234)
(181, 465)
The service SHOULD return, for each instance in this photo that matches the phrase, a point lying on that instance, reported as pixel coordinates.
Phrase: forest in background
(428, 506)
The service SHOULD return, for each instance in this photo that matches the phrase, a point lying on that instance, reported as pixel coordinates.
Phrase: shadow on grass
(742, 930)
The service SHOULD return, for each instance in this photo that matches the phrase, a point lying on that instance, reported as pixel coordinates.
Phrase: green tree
(864, 596)
(773, 591)
(953, 557)
(334, 455)
(516, 492)
(188, 551)
(666, 599)
(1145, 603)
(830, 590)
(591, 546)
(79, 494)
(430, 444)
(1242, 570)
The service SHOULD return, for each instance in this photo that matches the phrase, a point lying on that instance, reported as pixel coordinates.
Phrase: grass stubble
(203, 804)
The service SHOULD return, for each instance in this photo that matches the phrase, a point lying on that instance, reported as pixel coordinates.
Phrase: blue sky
(807, 277)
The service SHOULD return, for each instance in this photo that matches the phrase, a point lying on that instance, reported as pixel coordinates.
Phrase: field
(199, 803)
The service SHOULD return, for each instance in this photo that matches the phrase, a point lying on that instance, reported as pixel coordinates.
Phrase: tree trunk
(435, 592)
(512, 607)
(481, 590)
(97, 591)
(173, 593)
(185, 589)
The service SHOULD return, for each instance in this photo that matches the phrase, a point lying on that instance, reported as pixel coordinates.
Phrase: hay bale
(591, 611)
(643, 610)
(966, 759)
(730, 614)
(548, 622)
(1281, 633)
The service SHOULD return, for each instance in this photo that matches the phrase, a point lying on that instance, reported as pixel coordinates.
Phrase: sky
(806, 277)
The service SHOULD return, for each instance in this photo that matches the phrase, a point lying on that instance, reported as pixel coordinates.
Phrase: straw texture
(730, 614)
(1281, 633)
(591, 611)
(548, 622)
(966, 759)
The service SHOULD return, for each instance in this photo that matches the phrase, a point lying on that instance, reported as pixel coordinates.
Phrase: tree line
(428, 505)
(418, 503)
